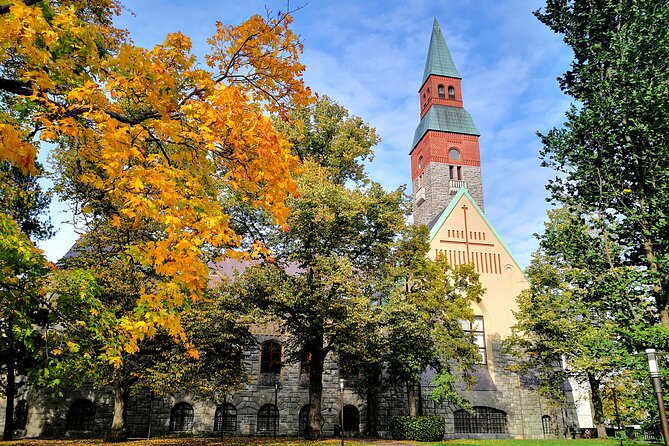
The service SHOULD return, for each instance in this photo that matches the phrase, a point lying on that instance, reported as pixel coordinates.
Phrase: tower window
(454, 153)
(451, 173)
(421, 163)
(440, 91)
(459, 173)
(451, 92)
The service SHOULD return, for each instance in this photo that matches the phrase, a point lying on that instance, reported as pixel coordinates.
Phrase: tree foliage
(612, 150)
(145, 136)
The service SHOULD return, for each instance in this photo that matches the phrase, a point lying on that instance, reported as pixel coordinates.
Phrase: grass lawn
(255, 441)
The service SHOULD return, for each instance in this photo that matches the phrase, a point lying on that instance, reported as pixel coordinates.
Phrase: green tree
(612, 151)
(23, 205)
(23, 271)
(582, 313)
(423, 319)
(319, 284)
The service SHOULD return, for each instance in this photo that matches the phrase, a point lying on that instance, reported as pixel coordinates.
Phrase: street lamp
(276, 406)
(657, 387)
(341, 412)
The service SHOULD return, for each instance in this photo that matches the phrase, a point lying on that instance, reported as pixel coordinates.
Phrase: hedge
(422, 428)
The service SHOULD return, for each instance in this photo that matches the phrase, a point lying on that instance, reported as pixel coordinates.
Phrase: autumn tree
(147, 137)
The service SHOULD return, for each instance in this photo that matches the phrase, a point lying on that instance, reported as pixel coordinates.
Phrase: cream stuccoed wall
(464, 236)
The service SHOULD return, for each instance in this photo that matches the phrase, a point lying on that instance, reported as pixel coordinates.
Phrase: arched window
(351, 418)
(268, 419)
(225, 419)
(304, 418)
(421, 162)
(546, 424)
(484, 420)
(81, 416)
(21, 415)
(441, 92)
(451, 92)
(181, 417)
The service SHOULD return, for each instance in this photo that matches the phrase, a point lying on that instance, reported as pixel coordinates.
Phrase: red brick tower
(445, 152)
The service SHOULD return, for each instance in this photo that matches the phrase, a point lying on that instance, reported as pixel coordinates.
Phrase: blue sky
(370, 55)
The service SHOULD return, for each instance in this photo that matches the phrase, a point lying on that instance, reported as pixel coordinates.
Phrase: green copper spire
(439, 59)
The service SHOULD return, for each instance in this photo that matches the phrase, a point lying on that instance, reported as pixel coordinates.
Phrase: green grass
(552, 442)
(256, 441)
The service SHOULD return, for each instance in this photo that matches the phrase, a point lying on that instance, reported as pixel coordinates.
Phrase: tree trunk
(412, 399)
(597, 405)
(119, 430)
(314, 429)
(10, 393)
(372, 429)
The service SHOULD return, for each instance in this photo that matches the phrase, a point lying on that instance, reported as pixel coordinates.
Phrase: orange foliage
(164, 139)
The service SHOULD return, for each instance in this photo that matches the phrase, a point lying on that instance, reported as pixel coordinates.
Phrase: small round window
(420, 162)
(454, 154)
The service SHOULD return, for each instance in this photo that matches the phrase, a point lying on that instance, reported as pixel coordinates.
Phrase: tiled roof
(445, 118)
(439, 60)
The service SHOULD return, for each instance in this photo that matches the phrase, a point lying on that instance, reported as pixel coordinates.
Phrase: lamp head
(341, 385)
(652, 362)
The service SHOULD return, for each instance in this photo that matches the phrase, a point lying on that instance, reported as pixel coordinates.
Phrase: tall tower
(445, 153)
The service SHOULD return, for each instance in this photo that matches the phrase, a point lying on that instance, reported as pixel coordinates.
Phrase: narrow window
(421, 163)
(450, 173)
(304, 370)
(451, 93)
(181, 417)
(270, 359)
(546, 424)
(459, 173)
(303, 419)
(478, 331)
(81, 416)
(225, 419)
(440, 91)
(21, 415)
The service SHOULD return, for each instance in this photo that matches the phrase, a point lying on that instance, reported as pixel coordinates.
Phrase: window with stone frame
(477, 329)
(303, 419)
(225, 418)
(268, 419)
(181, 417)
(270, 363)
(451, 93)
(546, 424)
(483, 420)
(81, 416)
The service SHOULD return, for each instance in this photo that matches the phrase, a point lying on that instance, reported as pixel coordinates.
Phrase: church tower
(445, 153)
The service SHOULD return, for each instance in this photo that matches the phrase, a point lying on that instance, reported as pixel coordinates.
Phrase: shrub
(422, 428)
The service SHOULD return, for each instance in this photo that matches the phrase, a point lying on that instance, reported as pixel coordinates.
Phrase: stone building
(448, 198)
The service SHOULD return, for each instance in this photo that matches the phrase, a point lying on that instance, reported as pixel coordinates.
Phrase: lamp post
(657, 387)
(276, 406)
(341, 412)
